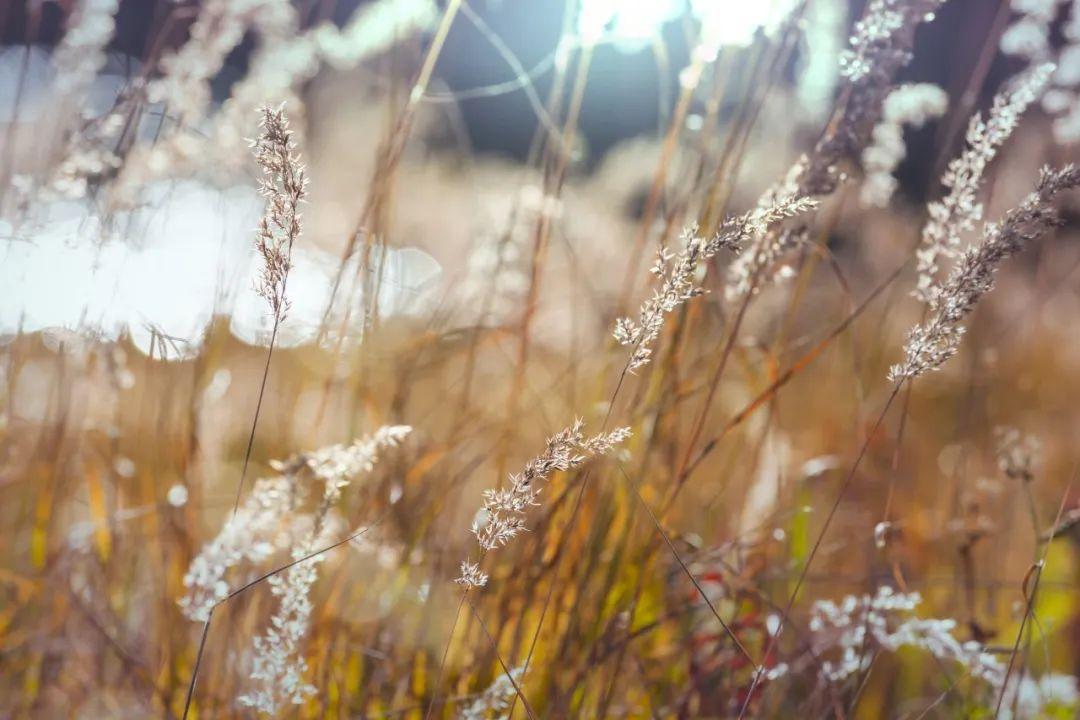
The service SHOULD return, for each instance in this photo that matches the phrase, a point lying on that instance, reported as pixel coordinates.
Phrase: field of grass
(506, 359)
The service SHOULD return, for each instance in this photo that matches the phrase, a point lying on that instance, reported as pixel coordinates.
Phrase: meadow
(539, 359)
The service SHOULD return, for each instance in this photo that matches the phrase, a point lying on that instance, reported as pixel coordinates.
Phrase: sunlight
(723, 22)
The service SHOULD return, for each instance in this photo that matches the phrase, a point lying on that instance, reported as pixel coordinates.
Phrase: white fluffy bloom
(849, 632)
(250, 535)
(910, 105)
(496, 700)
(267, 521)
(278, 665)
(1063, 99)
(81, 53)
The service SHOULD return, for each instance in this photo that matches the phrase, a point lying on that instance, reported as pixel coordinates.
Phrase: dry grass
(785, 526)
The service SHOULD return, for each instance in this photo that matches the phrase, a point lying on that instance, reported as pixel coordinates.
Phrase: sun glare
(722, 22)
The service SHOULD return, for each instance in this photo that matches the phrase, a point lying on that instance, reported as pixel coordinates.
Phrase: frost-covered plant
(502, 516)
(910, 105)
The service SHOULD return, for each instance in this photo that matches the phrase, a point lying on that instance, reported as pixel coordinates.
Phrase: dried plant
(1017, 453)
(284, 185)
(502, 516)
(496, 699)
(959, 210)
(755, 267)
(278, 665)
(937, 339)
(110, 481)
(677, 273)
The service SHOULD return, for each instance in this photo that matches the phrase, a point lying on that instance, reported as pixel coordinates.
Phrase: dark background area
(627, 94)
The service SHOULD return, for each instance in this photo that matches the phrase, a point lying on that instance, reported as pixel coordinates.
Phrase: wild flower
(858, 627)
(284, 185)
(959, 210)
(252, 534)
(934, 341)
(910, 105)
(678, 273)
(1017, 453)
(278, 665)
(502, 516)
(496, 699)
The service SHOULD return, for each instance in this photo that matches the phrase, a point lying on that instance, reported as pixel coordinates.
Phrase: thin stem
(817, 545)
(509, 675)
(686, 570)
(251, 584)
(258, 409)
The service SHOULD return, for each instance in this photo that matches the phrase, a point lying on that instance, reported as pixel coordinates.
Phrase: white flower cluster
(278, 667)
(959, 210)
(911, 105)
(267, 521)
(858, 627)
(502, 516)
(496, 700)
(251, 535)
(81, 52)
(1028, 36)
(337, 465)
